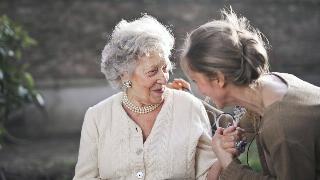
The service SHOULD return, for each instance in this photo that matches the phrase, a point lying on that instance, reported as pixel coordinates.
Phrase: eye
(164, 68)
(152, 72)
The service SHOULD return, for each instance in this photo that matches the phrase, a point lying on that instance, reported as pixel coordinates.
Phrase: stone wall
(72, 33)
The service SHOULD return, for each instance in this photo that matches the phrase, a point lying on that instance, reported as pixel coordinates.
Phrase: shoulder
(299, 93)
(185, 98)
(98, 116)
(295, 82)
(187, 106)
(103, 109)
(107, 103)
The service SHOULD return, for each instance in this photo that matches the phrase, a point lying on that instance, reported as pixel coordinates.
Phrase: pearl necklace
(140, 110)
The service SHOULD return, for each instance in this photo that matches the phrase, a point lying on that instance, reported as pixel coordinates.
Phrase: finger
(219, 131)
(183, 83)
(237, 132)
(180, 80)
(235, 123)
(175, 85)
(229, 130)
(226, 145)
(230, 138)
(244, 138)
(180, 85)
(240, 129)
(234, 137)
(232, 151)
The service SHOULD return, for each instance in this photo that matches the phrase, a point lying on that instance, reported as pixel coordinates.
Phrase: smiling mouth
(159, 90)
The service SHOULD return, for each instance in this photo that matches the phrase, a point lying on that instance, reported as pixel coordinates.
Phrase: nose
(163, 78)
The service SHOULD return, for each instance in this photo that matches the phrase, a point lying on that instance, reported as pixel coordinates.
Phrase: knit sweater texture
(178, 147)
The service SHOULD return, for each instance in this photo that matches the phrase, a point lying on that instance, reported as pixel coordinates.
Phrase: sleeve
(285, 156)
(205, 156)
(87, 165)
(238, 171)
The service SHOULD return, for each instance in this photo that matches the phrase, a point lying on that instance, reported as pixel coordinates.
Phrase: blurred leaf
(40, 99)
(28, 41)
(16, 84)
(10, 53)
(22, 91)
(29, 80)
(1, 75)
(2, 51)
(18, 54)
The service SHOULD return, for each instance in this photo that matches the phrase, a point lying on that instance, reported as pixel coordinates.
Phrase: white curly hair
(130, 41)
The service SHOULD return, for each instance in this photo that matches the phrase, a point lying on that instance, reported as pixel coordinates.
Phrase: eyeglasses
(225, 120)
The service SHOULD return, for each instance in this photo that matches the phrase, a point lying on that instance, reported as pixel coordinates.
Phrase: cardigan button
(139, 151)
(140, 175)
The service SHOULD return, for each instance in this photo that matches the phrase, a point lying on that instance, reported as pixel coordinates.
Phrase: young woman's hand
(231, 136)
(179, 84)
(219, 147)
(224, 143)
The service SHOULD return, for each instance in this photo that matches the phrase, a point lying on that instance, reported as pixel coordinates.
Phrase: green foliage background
(17, 86)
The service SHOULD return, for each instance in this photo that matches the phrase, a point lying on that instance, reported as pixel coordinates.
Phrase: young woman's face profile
(209, 87)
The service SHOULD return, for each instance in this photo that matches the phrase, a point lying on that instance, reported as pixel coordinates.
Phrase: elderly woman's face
(149, 79)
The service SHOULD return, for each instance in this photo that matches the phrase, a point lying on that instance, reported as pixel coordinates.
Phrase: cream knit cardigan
(178, 147)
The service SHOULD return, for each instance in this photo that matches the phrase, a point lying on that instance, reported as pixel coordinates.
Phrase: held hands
(179, 84)
(224, 143)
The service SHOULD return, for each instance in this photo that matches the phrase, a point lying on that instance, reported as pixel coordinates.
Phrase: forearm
(236, 171)
(214, 171)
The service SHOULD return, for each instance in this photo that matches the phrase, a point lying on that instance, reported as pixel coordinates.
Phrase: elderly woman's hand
(223, 143)
(179, 84)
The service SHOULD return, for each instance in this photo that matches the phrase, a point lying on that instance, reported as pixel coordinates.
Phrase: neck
(248, 97)
(134, 99)
(269, 90)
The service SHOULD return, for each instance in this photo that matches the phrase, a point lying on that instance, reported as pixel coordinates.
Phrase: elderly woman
(227, 60)
(147, 131)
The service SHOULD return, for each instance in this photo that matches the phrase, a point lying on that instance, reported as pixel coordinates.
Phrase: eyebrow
(155, 65)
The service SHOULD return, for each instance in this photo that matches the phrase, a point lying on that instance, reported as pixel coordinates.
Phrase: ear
(124, 76)
(221, 79)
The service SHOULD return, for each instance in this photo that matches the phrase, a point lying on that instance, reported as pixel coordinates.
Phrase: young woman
(228, 61)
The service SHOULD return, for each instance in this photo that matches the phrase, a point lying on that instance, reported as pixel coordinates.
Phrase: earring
(127, 84)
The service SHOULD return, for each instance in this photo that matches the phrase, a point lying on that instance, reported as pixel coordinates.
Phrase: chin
(159, 100)
(219, 105)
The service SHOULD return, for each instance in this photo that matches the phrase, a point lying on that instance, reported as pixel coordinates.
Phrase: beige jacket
(178, 147)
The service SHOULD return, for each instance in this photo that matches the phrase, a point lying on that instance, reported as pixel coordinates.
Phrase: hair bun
(229, 45)
(254, 59)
